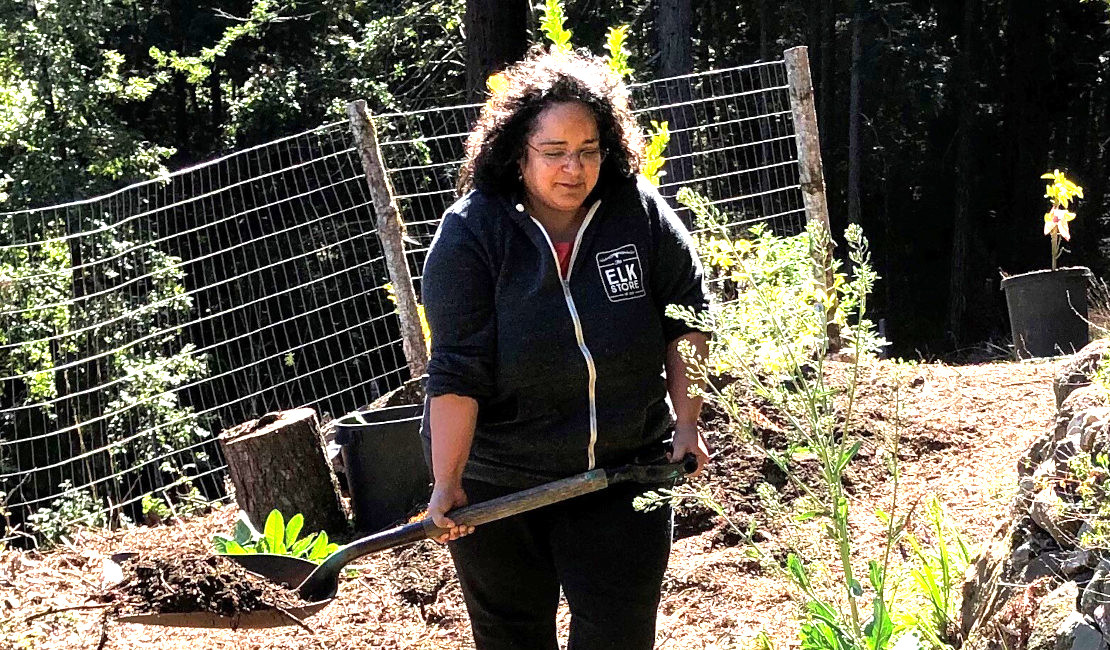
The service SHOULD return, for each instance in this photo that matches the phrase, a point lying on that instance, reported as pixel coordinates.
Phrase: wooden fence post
(811, 174)
(390, 232)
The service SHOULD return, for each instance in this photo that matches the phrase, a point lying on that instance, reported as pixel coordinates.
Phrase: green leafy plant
(180, 499)
(553, 25)
(277, 537)
(770, 307)
(770, 315)
(155, 509)
(615, 40)
(936, 577)
(73, 509)
(136, 361)
(198, 68)
(1090, 481)
(658, 139)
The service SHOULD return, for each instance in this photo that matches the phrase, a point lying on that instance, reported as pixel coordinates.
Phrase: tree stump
(278, 462)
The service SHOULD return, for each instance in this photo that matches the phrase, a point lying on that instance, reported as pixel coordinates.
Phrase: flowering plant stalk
(1060, 193)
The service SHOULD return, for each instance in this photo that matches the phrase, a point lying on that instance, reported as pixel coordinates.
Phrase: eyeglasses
(591, 157)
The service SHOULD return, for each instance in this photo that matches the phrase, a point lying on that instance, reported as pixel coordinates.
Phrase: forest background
(937, 118)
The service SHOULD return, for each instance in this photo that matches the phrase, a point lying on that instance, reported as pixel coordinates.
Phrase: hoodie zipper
(590, 367)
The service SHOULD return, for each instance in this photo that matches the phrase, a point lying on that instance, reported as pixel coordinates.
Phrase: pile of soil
(174, 583)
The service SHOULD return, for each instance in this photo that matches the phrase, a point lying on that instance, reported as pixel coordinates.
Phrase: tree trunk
(854, 108)
(962, 213)
(672, 26)
(215, 90)
(826, 82)
(496, 35)
(278, 463)
(676, 58)
(180, 89)
(764, 18)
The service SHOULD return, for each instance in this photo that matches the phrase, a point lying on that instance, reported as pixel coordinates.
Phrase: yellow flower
(424, 327)
(1062, 190)
(720, 253)
(497, 84)
(390, 293)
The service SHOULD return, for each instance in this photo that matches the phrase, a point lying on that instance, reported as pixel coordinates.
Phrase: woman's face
(562, 158)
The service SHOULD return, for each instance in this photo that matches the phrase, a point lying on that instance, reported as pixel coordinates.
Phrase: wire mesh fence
(732, 140)
(136, 326)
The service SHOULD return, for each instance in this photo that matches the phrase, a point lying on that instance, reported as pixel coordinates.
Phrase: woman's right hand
(444, 499)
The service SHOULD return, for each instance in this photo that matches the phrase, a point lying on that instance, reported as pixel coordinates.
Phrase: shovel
(317, 584)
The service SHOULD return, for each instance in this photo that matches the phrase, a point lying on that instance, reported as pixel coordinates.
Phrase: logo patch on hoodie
(621, 273)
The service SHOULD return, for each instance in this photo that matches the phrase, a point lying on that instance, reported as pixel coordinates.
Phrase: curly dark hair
(543, 78)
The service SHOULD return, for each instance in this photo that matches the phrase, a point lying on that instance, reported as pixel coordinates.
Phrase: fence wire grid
(136, 326)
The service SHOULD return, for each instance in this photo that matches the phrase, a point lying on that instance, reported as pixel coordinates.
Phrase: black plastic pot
(1048, 311)
(386, 474)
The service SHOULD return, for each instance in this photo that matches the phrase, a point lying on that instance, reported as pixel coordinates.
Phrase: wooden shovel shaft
(322, 582)
(523, 501)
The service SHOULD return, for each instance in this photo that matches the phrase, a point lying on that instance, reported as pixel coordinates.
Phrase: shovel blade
(279, 569)
(263, 618)
(282, 570)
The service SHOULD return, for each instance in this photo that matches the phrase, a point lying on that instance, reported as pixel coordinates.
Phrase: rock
(1082, 408)
(1054, 516)
(1070, 564)
(1046, 565)
(1086, 538)
(1101, 617)
(1075, 633)
(990, 581)
(1095, 427)
(1052, 612)
(1092, 398)
(1076, 371)
(1075, 561)
(1024, 554)
(1028, 486)
(1066, 449)
(1100, 444)
(1038, 452)
(1096, 592)
(1086, 398)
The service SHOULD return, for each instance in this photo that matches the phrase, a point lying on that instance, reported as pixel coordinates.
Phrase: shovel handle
(544, 495)
(523, 501)
(322, 582)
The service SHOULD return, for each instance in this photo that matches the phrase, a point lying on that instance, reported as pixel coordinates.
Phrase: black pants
(608, 558)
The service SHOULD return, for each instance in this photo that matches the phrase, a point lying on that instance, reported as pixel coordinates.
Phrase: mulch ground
(961, 430)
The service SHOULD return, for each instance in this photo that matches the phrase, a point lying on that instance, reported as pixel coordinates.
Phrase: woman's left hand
(689, 440)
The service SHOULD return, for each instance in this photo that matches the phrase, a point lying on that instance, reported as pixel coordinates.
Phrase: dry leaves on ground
(962, 429)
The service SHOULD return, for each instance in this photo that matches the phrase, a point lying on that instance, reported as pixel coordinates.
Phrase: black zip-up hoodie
(568, 374)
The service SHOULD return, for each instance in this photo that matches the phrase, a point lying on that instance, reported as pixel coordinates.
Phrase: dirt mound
(173, 583)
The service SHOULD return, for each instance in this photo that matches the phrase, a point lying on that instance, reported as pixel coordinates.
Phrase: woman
(544, 290)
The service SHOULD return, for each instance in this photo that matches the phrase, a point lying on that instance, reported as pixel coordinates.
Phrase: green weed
(277, 537)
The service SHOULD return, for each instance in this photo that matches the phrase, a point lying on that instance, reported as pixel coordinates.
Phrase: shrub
(770, 319)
